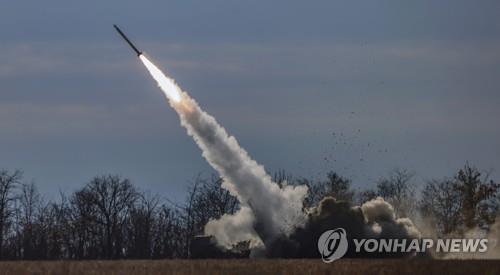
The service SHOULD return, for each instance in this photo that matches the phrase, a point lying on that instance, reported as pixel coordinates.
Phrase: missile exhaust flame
(166, 84)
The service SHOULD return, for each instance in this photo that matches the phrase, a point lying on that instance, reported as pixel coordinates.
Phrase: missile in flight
(127, 40)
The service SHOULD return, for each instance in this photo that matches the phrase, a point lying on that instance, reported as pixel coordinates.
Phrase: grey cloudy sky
(360, 87)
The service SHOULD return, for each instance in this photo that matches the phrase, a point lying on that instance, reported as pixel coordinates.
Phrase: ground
(345, 266)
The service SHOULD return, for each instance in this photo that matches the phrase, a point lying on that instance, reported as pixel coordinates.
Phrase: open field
(345, 266)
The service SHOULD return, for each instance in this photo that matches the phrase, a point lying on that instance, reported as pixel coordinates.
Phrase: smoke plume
(267, 211)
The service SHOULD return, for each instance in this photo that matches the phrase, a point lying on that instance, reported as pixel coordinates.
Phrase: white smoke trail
(274, 210)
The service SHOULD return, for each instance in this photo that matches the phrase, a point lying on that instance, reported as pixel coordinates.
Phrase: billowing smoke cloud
(374, 219)
(267, 211)
(233, 229)
(380, 217)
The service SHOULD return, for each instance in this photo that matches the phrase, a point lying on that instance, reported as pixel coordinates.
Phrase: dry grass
(345, 266)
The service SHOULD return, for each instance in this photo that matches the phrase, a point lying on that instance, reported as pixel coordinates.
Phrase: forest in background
(111, 218)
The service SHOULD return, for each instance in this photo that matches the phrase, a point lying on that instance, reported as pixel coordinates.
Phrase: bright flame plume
(166, 84)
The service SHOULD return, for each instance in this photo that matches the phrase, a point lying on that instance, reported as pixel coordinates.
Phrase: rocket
(127, 40)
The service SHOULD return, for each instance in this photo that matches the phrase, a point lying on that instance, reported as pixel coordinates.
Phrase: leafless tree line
(109, 218)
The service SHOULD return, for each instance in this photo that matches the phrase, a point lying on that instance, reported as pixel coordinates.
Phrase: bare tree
(339, 187)
(112, 198)
(442, 205)
(169, 238)
(30, 203)
(54, 220)
(85, 233)
(335, 186)
(140, 227)
(7, 183)
(475, 191)
(397, 188)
